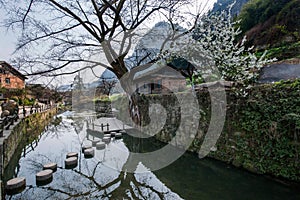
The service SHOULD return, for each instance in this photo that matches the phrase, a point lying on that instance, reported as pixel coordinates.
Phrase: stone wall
(103, 108)
(24, 130)
(261, 132)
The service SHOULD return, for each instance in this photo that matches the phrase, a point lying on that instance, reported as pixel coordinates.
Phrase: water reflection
(100, 177)
(104, 177)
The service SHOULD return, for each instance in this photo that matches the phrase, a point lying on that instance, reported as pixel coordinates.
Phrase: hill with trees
(273, 25)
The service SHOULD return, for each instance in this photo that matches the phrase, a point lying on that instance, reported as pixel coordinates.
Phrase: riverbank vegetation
(262, 131)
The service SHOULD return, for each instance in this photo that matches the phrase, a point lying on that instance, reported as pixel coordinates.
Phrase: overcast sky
(8, 38)
(7, 41)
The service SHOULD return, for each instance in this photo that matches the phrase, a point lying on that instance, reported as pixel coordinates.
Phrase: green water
(101, 177)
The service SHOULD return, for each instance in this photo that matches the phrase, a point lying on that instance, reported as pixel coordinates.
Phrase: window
(2, 71)
(159, 84)
(7, 80)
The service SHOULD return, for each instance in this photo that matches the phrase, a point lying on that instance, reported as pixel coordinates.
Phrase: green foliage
(259, 11)
(196, 79)
(289, 15)
(262, 130)
(28, 102)
(270, 119)
(12, 93)
(102, 99)
(271, 23)
(283, 52)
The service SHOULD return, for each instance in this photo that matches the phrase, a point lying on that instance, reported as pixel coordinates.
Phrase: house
(10, 78)
(159, 79)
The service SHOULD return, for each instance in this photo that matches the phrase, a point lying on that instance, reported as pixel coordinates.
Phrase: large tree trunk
(126, 80)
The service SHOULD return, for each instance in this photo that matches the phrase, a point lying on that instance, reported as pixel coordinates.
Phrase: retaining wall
(24, 130)
(261, 132)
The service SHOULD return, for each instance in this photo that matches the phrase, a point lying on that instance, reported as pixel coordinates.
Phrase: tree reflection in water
(101, 177)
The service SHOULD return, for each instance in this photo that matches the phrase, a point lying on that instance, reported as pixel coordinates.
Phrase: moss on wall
(25, 132)
(261, 132)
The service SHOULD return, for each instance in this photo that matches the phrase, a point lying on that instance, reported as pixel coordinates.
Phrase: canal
(102, 177)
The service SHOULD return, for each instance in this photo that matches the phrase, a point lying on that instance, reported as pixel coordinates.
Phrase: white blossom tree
(214, 49)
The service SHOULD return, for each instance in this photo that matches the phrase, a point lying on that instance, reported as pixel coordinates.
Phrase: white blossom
(213, 47)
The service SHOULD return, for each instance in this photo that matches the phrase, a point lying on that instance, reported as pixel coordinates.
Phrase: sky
(8, 38)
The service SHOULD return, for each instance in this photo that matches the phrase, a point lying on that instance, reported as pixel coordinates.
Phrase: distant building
(160, 80)
(11, 78)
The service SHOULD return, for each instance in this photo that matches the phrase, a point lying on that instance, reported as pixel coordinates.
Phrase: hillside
(224, 4)
(273, 25)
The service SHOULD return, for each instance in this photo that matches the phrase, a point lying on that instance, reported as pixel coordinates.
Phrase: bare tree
(64, 37)
(106, 86)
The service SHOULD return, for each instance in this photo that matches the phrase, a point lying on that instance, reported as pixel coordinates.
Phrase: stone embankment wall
(103, 108)
(261, 132)
(23, 131)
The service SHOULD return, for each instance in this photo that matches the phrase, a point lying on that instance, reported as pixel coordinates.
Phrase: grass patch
(283, 52)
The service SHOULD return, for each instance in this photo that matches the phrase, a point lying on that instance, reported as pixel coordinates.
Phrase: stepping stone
(94, 142)
(89, 153)
(118, 136)
(84, 147)
(72, 154)
(15, 185)
(44, 175)
(71, 162)
(113, 133)
(100, 145)
(106, 139)
(52, 166)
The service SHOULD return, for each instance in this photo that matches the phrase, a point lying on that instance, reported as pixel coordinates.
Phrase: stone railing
(7, 121)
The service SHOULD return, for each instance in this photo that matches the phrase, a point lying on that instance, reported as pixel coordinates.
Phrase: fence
(7, 121)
